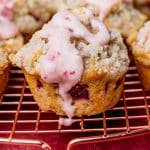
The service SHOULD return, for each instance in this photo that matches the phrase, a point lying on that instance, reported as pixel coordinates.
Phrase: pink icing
(7, 28)
(105, 6)
(65, 121)
(63, 64)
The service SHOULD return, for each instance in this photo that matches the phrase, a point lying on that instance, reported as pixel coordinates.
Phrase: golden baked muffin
(10, 42)
(74, 65)
(141, 53)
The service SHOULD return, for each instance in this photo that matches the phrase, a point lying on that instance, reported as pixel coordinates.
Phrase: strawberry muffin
(74, 65)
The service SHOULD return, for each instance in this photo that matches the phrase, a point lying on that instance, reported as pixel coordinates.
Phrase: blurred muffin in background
(119, 14)
(10, 41)
(30, 15)
(123, 16)
(140, 44)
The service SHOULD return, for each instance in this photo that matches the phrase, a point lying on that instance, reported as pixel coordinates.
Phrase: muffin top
(94, 46)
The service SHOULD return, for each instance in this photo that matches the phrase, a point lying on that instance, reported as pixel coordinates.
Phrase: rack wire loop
(28, 142)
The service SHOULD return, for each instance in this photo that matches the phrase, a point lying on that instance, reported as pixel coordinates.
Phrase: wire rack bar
(19, 114)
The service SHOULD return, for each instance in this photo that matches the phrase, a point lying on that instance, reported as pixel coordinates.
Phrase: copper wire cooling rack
(19, 115)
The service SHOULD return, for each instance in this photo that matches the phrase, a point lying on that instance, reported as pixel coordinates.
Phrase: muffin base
(103, 96)
(4, 79)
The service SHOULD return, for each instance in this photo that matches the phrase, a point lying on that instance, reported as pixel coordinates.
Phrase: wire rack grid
(19, 114)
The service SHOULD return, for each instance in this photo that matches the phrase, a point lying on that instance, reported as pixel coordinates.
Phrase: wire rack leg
(97, 139)
(36, 143)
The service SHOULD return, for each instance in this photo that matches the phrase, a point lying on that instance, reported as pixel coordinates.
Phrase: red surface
(141, 142)
(59, 141)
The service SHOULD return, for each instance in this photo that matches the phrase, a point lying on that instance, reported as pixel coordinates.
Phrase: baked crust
(141, 56)
(126, 19)
(4, 79)
(103, 95)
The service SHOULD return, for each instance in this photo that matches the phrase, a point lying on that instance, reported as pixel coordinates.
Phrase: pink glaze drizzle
(105, 6)
(63, 64)
(7, 28)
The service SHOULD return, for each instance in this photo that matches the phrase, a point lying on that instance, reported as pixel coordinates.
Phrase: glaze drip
(63, 64)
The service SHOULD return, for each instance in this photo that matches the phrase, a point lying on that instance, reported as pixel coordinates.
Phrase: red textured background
(59, 142)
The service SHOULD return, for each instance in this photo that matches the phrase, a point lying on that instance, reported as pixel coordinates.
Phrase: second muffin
(141, 53)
